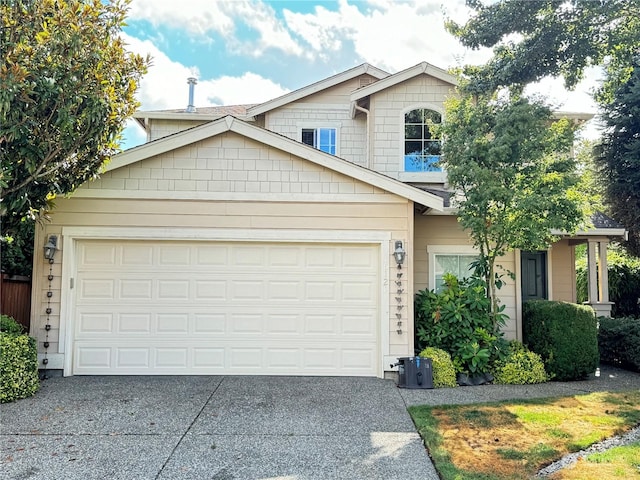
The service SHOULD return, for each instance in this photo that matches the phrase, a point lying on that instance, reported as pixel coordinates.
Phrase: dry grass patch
(618, 463)
(513, 440)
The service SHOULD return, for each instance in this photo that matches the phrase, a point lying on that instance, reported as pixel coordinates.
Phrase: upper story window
(321, 138)
(421, 147)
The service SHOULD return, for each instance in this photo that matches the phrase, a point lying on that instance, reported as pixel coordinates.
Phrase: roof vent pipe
(192, 83)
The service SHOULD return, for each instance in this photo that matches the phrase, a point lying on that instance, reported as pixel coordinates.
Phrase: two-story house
(284, 238)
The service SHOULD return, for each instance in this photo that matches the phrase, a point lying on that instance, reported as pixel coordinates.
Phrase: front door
(534, 275)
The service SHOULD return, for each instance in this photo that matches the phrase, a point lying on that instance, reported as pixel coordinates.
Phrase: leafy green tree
(16, 250)
(537, 38)
(510, 160)
(618, 157)
(68, 85)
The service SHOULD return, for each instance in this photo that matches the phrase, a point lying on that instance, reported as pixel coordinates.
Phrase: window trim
(433, 250)
(437, 177)
(316, 125)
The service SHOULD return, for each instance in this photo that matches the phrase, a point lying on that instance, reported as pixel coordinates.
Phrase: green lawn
(514, 440)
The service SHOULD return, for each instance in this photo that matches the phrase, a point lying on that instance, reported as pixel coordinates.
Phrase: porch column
(598, 278)
(592, 278)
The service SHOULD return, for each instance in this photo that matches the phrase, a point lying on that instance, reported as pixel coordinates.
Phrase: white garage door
(226, 308)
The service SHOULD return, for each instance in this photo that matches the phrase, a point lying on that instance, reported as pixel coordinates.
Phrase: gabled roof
(202, 114)
(232, 124)
(423, 68)
(355, 72)
(603, 225)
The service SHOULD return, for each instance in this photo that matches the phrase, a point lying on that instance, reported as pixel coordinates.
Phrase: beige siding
(329, 108)
(387, 114)
(446, 231)
(562, 272)
(229, 163)
(40, 287)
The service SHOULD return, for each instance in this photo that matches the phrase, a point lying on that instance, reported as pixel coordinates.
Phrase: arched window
(421, 146)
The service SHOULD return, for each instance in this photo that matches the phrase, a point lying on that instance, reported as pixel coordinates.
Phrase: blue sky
(249, 51)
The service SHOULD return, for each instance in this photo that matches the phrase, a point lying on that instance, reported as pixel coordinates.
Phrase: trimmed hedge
(619, 342)
(444, 374)
(565, 335)
(18, 363)
(520, 367)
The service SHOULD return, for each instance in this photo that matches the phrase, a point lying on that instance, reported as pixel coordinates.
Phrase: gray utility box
(415, 372)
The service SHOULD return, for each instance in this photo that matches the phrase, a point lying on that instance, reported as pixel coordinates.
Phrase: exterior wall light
(50, 248)
(399, 253)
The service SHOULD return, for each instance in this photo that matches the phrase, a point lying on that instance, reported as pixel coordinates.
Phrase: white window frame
(433, 250)
(317, 125)
(435, 177)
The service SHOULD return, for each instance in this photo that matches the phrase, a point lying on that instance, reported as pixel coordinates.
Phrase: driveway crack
(173, 450)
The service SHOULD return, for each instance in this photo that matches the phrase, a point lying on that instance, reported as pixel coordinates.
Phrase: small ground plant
(444, 374)
(520, 367)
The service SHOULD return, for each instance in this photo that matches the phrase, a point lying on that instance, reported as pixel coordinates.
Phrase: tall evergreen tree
(619, 157)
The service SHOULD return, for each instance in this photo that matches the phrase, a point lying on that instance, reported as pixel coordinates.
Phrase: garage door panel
(121, 322)
(91, 323)
(97, 288)
(135, 289)
(134, 323)
(215, 308)
(208, 290)
(255, 358)
(137, 255)
(209, 323)
(174, 255)
(103, 255)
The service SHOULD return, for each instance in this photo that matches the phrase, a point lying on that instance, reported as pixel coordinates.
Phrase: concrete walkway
(606, 379)
(218, 428)
(224, 428)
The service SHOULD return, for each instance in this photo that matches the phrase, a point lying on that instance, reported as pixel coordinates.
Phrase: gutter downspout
(368, 150)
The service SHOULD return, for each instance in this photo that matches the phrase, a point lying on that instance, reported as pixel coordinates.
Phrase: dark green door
(533, 266)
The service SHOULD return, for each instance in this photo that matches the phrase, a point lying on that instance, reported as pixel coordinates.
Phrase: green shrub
(624, 282)
(9, 325)
(444, 375)
(565, 335)
(520, 367)
(458, 320)
(18, 362)
(619, 342)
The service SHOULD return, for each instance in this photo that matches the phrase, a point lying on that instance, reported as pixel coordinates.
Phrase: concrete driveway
(218, 428)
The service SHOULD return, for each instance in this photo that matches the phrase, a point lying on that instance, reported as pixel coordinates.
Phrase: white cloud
(391, 35)
(272, 33)
(200, 19)
(165, 85)
(248, 88)
(165, 77)
(197, 17)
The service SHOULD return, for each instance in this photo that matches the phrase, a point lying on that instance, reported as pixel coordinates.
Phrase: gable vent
(364, 81)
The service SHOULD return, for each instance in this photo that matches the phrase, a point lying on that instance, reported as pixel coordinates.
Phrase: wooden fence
(15, 298)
